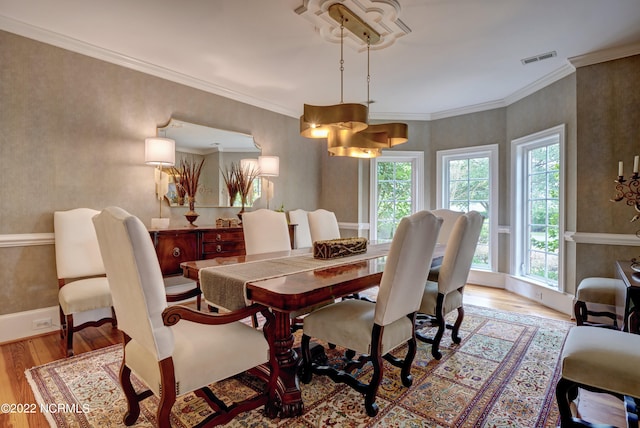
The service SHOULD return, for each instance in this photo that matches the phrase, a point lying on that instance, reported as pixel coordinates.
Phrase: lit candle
(635, 163)
(620, 169)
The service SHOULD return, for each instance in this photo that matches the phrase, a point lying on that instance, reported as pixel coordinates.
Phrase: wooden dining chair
(176, 350)
(440, 298)
(376, 329)
(323, 225)
(84, 289)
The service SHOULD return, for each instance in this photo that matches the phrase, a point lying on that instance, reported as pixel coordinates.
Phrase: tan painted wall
(608, 106)
(72, 132)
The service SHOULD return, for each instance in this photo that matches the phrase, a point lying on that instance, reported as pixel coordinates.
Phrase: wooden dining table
(297, 291)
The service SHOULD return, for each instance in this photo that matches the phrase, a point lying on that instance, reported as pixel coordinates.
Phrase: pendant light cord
(342, 60)
(368, 75)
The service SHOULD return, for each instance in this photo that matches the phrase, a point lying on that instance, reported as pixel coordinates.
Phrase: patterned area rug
(503, 374)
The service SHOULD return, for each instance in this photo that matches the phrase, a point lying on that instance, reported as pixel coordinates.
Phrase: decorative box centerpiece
(227, 222)
(333, 248)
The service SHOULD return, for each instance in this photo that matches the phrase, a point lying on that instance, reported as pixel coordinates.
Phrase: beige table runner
(224, 286)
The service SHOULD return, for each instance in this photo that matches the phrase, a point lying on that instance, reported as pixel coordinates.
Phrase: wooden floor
(21, 355)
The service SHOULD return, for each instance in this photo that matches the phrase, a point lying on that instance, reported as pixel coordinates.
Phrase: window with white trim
(467, 179)
(395, 191)
(538, 227)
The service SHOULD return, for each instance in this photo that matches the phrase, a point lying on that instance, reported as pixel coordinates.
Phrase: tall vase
(191, 215)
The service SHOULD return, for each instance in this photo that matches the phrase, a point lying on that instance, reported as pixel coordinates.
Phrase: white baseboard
(21, 324)
(554, 299)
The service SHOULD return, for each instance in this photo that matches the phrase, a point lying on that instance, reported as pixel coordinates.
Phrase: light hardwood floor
(21, 355)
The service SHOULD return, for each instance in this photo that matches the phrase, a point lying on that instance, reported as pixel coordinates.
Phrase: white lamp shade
(249, 165)
(159, 151)
(269, 166)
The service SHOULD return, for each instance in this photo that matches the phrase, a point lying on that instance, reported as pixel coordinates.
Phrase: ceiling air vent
(540, 57)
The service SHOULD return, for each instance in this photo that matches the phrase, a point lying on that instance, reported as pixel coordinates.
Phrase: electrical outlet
(41, 323)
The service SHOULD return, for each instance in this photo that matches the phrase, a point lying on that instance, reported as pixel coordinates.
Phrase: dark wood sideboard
(183, 244)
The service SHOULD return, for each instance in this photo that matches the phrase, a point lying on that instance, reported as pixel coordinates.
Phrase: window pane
(395, 196)
(542, 185)
(468, 189)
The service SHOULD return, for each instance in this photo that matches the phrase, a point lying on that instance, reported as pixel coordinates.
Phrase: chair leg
(63, 323)
(405, 373)
(133, 405)
(564, 390)
(167, 394)
(580, 312)
(305, 370)
(378, 371)
(114, 320)
(69, 329)
(455, 331)
(435, 346)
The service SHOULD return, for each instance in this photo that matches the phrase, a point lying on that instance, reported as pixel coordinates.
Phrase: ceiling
(457, 56)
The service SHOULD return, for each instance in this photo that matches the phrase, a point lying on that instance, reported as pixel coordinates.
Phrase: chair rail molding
(26, 239)
(602, 238)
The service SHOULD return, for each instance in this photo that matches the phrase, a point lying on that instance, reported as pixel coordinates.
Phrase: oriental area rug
(502, 374)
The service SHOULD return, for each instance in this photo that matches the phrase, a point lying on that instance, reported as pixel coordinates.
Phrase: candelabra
(629, 190)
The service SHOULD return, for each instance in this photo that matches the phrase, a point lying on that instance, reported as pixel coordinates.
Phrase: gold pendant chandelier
(345, 125)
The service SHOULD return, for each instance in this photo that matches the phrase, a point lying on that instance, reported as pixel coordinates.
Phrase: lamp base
(159, 223)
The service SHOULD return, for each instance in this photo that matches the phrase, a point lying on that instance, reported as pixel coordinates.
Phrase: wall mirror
(219, 148)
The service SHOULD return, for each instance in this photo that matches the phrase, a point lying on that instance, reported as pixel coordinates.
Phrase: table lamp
(269, 167)
(160, 152)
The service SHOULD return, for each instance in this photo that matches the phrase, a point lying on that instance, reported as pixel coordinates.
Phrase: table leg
(288, 386)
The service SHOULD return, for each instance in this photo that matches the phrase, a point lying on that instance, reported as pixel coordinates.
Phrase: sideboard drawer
(224, 249)
(222, 243)
(221, 235)
(175, 248)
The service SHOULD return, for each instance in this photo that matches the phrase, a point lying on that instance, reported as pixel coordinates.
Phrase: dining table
(288, 282)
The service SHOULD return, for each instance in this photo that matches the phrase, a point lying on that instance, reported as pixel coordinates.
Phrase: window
(538, 210)
(467, 180)
(396, 191)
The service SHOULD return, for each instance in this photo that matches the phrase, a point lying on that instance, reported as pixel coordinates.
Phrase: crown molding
(605, 55)
(475, 108)
(565, 70)
(74, 45)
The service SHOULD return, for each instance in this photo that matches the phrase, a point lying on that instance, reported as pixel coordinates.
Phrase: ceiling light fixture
(346, 125)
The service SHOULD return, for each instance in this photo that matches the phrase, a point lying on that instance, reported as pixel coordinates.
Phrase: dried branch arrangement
(245, 179)
(239, 181)
(229, 177)
(187, 176)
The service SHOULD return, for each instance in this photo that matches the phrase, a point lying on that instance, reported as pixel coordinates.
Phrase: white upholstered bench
(599, 360)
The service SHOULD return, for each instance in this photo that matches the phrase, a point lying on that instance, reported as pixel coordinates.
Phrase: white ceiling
(460, 55)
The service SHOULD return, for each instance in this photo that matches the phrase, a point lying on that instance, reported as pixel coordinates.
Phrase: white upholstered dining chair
(449, 218)
(440, 298)
(323, 225)
(84, 289)
(376, 329)
(303, 235)
(265, 231)
(174, 350)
